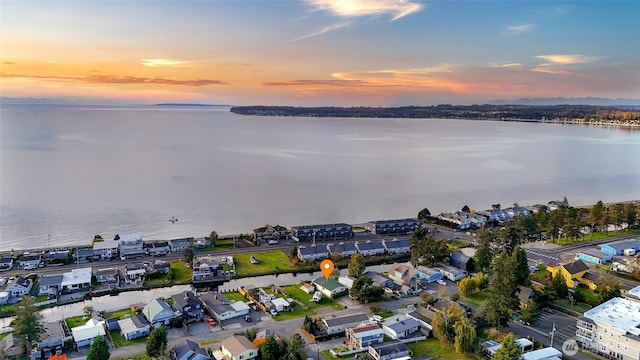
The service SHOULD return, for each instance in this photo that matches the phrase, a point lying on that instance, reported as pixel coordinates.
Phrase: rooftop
(76, 276)
(618, 313)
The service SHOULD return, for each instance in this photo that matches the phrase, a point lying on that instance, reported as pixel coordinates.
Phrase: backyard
(303, 305)
(476, 299)
(178, 274)
(433, 347)
(269, 262)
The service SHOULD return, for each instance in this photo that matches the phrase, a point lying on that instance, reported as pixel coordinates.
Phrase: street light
(553, 331)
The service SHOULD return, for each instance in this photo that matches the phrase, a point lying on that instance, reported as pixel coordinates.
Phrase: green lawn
(120, 314)
(76, 321)
(139, 356)
(475, 299)
(226, 244)
(298, 310)
(433, 348)
(120, 341)
(270, 262)
(179, 273)
(596, 236)
(234, 295)
(542, 272)
(578, 307)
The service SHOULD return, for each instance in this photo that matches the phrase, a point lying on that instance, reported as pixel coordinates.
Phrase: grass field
(596, 236)
(120, 341)
(298, 310)
(475, 299)
(120, 314)
(433, 348)
(233, 295)
(541, 272)
(76, 321)
(270, 262)
(179, 273)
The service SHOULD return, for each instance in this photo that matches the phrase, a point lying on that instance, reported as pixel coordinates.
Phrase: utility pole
(553, 331)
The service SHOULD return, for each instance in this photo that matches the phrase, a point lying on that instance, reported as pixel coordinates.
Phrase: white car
(273, 242)
(273, 312)
(442, 282)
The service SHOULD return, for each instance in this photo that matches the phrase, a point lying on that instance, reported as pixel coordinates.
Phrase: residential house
(112, 324)
(6, 263)
(442, 304)
(134, 273)
(17, 288)
(370, 248)
(108, 276)
(360, 337)
(452, 273)
(238, 347)
(378, 279)
(57, 257)
(424, 317)
(4, 297)
(389, 350)
(400, 327)
(81, 256)
(106, 249)
(329, 287)
(496, 216)
(514, 211)
(10, 346)
(207, 267)
(395, 227)
(462, 261)
(130, 246)
(524, 295)
(30, 261)
(402, 274)
(622, 247)
(270, 233)
(189, 305)
(335, 232)
(76, 280)
(221, 308)
(571, 272)
(591, 280)
(50, 284)
(280, 304)
(83, 335)
(397, 246)
(594, 256)
(180, 245)
(313, 252)
(158, 313)
(455, 220)
(189, 350)
(547, 353)
(53, 336)
(161, 267)
(339, 324)
(309, 288)
(156, 248)
(342, 249)
(134, 327)
(490, 347)
(428, 274)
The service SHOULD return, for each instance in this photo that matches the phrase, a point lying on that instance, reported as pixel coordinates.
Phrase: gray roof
(624, 244)
(107, 272)
(390, 347)
(422, 313)
(377, 278)
(371, 245)
(397, 244)
(50, 280)
(595, 252)
(139, 320)
(188, 345)
(321, 226)
(457, 256)
(404, 325)
(217, 302)
(345, 320)
(342, 247)
(312, 250)
(186, 298)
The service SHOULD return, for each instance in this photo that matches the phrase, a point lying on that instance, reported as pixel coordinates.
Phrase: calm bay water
(75, 171)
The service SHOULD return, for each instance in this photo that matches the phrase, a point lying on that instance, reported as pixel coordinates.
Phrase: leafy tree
(157, 343)
(632, 212)
(426, 249)
(427, 300)
(529, 311)
(510, 237)
(88, 310)
(482, 280)
(509, 350)
(465, 208)
(465, 340)
(28, 324)
(270, 350)
(557, 288)
(424, 214)
(99, 349)
(502, 292)
(522, 271)
(484, 251)
(607, 289)
(356, 266)
(188, 254)
(359, 284)
(467, 286)
(213, 236)
(444, 323)
(596, 214)
(364, 290)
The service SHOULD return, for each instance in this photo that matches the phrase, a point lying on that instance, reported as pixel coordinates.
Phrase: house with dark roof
(189, 305)
(338, 324)
(524, 295)
(329, 287)
(425, 317)
(342, 249)
(6, 263)
(17, 289)
(221, 308)
(379, 279)
(108, 276)
(369, 248)
(134, 327)
(180, 245)
(315, 252)
(189, 350)
(161, 267)
(52, 337)
(156, 248)
(571, 272)
(360, 337)
(270, 233)
(400, 327)
(397, 246)
(402, 274)
(389, 350)
(50, 284)
(335, 232)
(392, 227)
(462, 261)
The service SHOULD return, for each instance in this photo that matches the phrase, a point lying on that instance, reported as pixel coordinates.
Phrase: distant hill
(188, 104)
(630, 103)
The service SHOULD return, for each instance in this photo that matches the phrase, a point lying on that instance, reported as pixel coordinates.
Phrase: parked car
(212, 322)
(273, 312)
(273, 242)
(247, 318)
(442, 282)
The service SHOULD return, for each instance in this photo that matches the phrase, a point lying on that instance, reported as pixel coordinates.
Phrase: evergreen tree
(99, 349)
(502, 292)
(424, 214)
(509, 350)
(270, 350)
(28, 324)
(557, 288)
(157, 343)
(213, 236)
(356, 266)
(426, 249)
(295, 349)
(522, 271)
(484, 251)
(607, 289)
(529, 312)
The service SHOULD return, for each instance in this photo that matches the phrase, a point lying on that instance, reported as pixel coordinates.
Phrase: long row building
(368, 248)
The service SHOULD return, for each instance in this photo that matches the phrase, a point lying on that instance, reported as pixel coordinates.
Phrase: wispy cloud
(567, 59)
(324, 30)
(316, 83)
(163, 62)
(505, 65)
(515, 30)
(115, 79)
(351, 8)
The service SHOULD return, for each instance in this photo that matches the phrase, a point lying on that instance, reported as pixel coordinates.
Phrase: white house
(83, 335)
(222, 308)
(134, 327)
(400, 327)
(17, 289)
(452, 273)
(338, 325)
(106, 249)
(238, 347)
(130, 246)
(76, 279)
(329, 287)
(360, 337)
(346, 281)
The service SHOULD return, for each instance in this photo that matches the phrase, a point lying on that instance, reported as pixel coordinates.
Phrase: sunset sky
(319, 52)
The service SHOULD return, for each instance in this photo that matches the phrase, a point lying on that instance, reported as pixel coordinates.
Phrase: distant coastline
(566, 114)
(191, 104)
